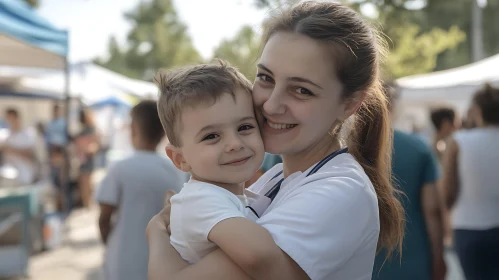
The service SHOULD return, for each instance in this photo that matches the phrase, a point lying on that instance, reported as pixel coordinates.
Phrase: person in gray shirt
(131, 193)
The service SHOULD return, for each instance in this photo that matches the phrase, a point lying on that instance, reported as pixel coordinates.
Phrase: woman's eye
(210, 137)
(264, 78)
(246, 127)
(303, 91)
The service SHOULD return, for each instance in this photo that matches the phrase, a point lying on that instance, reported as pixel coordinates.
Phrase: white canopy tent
(452, 88)
(89, 82)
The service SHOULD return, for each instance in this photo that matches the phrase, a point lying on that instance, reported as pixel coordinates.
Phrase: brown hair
(190, 86)
(145, 115)
(487, 98)
(357, 66)
(87, 117)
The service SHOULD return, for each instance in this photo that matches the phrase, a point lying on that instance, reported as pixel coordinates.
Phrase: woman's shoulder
(344, 169)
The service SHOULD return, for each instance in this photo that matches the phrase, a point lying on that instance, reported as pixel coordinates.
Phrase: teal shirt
(269, 161)
(414, 165)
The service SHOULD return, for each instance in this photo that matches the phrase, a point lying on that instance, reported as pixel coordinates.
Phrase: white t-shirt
(137, 187)
(195, 211)
(477, 205)
(23, 139)
(328, 222)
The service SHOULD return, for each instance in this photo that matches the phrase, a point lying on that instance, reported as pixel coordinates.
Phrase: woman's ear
(352, 105)
(176, 156)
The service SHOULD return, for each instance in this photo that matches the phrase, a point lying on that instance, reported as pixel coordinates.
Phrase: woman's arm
(252, 247)
(165, 262)
(450, 182)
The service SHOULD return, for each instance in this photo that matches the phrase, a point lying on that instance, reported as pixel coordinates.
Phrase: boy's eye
(264, 78)
(246, 127)
(210, 137)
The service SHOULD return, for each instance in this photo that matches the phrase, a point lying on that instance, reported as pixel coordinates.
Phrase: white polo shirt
(328, 222)
(195, 211)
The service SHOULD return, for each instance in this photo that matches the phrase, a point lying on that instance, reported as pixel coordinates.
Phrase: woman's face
(296, 93)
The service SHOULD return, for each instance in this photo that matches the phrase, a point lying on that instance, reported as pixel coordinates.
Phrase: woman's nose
(274, 104)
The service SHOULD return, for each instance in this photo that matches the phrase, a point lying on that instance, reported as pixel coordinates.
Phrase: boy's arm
(106, 212)
(252, 247)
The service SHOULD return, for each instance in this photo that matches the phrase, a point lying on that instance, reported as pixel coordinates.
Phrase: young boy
(134, 190)
(207, 113)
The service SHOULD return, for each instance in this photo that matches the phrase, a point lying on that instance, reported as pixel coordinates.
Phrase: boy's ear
(177, 158)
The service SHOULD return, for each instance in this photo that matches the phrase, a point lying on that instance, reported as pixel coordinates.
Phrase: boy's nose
(234, 144)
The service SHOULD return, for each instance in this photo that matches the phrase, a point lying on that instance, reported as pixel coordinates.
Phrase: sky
(92, 22)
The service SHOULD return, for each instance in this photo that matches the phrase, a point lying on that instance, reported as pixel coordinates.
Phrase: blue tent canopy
(26, 39)
(112, 101)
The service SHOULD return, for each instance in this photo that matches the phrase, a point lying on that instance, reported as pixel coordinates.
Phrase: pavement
(79, 257)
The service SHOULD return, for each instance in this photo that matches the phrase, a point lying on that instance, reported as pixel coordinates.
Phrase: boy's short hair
(190, 86)
(145, 115)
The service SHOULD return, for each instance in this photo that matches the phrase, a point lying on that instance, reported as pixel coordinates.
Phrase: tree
(415, 52)
(32, 3)
(241, 51)
(158, 39)
(441, 14)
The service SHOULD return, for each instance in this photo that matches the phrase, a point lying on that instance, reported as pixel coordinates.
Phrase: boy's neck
(236, 189)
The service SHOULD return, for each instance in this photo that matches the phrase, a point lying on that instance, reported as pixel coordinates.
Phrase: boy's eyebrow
(295, 79)
(214, 126)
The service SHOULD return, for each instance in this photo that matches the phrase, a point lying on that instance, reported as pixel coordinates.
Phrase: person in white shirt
(317, 91)
(471, 189)
(131, 193)
(19, 148)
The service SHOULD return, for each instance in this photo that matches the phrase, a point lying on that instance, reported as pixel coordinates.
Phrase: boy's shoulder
(204, 193)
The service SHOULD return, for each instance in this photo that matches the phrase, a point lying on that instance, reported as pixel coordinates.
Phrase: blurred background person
(134, 190)
(471, 187)
(415, 171)
(19, 148)
(445, 122)
(87, 145)
(57, 139)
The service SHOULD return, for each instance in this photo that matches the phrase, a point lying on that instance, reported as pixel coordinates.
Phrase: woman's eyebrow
(259, 65)
(294, 79)
(303, 80)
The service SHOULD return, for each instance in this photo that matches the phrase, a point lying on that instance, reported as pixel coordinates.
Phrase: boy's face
(221, 142)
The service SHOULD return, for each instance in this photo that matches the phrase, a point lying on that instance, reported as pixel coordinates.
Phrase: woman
(87, 145)
(472, 191)
(319, 66)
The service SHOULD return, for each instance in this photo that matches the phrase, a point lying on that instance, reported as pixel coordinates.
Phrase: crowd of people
(40, 151)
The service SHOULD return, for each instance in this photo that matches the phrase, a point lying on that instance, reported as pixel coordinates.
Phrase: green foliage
(415, 52)
(241, 51)
(158, 39)
(33, 3)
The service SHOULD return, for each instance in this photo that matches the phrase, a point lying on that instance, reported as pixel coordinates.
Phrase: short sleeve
(431, 167)
(108, 191)
(325, 225)
(200, 210)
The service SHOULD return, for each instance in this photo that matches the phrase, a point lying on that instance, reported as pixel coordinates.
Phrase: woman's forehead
(290, 54)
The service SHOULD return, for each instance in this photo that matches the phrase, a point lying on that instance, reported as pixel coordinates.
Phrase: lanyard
(272, 193)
